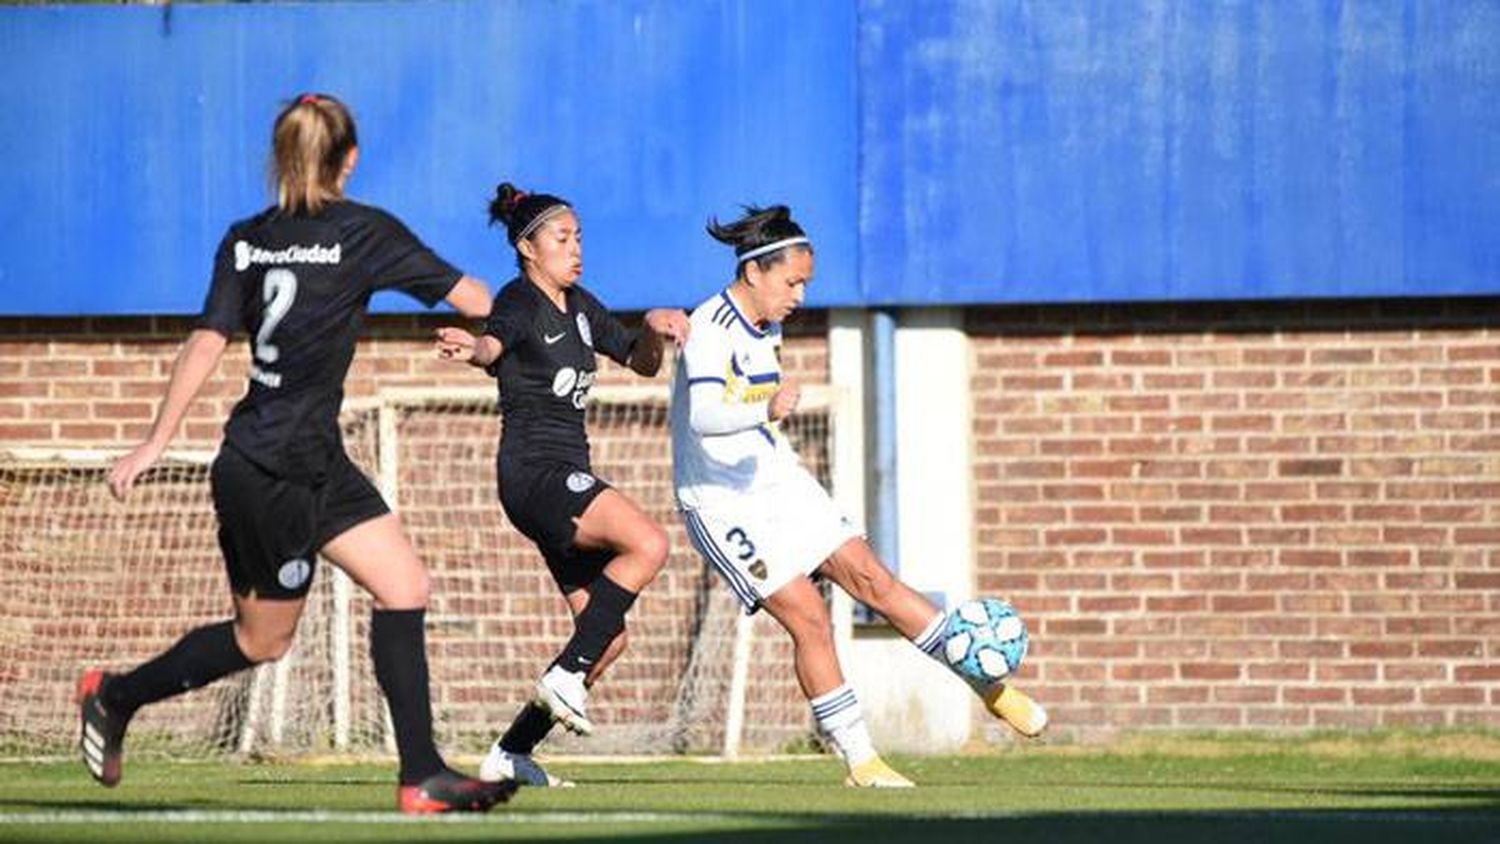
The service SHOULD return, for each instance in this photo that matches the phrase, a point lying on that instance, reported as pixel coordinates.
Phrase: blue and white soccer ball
(985, 640)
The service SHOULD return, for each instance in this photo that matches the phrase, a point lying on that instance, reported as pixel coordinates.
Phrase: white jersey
(744, 453)
(750, 508)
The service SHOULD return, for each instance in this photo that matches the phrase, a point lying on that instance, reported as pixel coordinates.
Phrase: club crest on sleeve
(758, 569)
(580, 482)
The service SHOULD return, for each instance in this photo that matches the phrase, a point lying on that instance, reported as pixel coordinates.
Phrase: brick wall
(1261, 516)
(496, 618)
(1226, 516)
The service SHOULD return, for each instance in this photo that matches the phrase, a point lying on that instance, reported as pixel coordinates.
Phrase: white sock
(930, 640)
(840, 717)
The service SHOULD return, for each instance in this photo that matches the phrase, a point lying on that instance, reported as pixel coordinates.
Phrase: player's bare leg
(613, 521)
(377, 555)
(858, 571)
(799, 608)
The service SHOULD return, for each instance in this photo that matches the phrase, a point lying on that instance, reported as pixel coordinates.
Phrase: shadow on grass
(1333, 826)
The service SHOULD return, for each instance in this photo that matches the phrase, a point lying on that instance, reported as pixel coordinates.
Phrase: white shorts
(759, 542)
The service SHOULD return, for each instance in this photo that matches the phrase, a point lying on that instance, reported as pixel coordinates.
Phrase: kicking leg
(856, 569)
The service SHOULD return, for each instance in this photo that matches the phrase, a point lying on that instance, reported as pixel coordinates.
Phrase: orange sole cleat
(101, 735)
(449, 791)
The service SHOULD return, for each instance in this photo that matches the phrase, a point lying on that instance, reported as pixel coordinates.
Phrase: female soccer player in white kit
(758, 516)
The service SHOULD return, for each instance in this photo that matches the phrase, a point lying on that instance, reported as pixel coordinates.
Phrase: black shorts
(542, 498)
(270, 528)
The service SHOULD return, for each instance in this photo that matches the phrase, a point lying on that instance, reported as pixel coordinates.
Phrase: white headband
(543, 217)
(771, 247)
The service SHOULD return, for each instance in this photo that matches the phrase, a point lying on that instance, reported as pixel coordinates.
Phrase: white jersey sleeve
(711, 410)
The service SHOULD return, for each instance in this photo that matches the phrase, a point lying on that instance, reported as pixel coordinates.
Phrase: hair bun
(503, 207)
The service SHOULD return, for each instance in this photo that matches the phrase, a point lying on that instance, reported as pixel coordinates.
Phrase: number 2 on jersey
(278, 291)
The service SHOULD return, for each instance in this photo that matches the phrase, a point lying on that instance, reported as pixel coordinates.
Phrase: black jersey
(299, 284)
(548, 366)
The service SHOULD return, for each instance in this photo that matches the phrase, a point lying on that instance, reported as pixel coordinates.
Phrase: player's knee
(411, 592)
(811, 623)
(654, 547)
(263, 645)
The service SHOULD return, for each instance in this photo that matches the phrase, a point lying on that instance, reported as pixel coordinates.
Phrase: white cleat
(503, 765)
(563, 694)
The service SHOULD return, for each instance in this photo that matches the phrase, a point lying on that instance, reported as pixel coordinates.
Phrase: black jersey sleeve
(398, 260)
(224, 307)
(510, 322)
(610, 335)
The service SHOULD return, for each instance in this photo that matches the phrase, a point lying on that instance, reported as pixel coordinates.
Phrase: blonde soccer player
(758, 516)
(297, 277)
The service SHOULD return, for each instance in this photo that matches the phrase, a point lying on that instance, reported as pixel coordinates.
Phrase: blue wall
(133, 137)
(1088, 150)
(973, 151)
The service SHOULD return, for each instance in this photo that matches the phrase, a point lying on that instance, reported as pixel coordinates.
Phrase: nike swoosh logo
(551, 340)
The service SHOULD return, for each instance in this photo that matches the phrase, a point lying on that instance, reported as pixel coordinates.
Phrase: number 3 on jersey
(278, 291)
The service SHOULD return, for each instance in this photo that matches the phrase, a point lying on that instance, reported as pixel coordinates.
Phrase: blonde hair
(312, 137)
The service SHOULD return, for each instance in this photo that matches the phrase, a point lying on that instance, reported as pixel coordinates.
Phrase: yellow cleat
(1015, 708)
(875, 773)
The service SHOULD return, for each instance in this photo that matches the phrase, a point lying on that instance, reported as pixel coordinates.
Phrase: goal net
(86, 580)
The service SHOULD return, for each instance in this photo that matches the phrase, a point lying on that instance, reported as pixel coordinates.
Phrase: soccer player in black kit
(298, 277)
(540, 341)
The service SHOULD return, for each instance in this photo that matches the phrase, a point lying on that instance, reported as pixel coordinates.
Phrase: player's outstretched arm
(470, 297)
(458, 345)
(195, 362)
(662, 324)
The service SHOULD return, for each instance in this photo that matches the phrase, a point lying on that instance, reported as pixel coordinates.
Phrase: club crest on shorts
(580, 482)
(584, 332)
(758, 569)
(293, 573)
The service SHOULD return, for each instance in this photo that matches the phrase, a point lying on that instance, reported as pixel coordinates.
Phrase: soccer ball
(985, 640)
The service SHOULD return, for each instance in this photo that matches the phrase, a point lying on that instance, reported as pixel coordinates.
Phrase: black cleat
(102, 735)
(450, 791)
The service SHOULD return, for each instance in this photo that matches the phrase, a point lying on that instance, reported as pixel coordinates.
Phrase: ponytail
(309, 144)
(763, 235)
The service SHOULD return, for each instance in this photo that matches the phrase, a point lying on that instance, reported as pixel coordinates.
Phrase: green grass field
(1413, 788)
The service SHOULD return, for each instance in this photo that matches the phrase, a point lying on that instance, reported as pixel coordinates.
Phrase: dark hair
(309, 142)
(518, 210)
(759, 227)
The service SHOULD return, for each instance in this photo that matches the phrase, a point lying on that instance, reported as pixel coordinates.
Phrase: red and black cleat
(102, 736)
(450, 791)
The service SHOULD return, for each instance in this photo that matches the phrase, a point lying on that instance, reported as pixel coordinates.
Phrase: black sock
(527, 731)
(598, 625)
(202, 656)
(398, 645)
